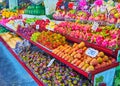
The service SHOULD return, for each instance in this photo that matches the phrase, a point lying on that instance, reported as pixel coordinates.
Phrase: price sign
(74, 7)
(117, 25)
(103, 9)
(26, 25)
(21, 23)
(95, 26)
(118, 56)
(37, 27)
(51, 62)
(91, 52)
(62, 7)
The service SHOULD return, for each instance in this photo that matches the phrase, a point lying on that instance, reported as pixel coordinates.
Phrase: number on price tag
(37, 27)
(51, 62)
(91, 52)
(118, 56)
(95, 26)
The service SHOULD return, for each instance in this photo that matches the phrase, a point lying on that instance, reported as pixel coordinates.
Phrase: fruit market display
(76, 55)
(35, 10)
(71, 15)
(49, 39)
(114, 16)
(11, 39)
(26, 31)
(98, 17)
(96, 25)
(6, 13)
(51, 26)
(42, 23)
(106, 36)
(14, 24)
(55, 75)
(31, 20)
(100, 11)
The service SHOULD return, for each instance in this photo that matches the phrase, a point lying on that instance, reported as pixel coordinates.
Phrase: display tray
(100, 48)
(36, 80)
(108, 51)
(88, 75)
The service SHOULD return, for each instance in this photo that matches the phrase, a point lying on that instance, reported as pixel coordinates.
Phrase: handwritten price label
(91, 52)
(51, 62)
(95, 26)
(118, 56)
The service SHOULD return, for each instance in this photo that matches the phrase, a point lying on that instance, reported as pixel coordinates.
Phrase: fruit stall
(64, 43)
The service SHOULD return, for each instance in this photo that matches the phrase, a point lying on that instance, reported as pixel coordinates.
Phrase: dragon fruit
(105, 43)
(99, 40)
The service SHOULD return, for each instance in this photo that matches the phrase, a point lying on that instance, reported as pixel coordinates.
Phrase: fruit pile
(76, 55)
(98, 17)
(26, 31)
(34, 36)
(7, 13)
(49, 39)
(10, 39)
(106, 36)
(55, 75)
(42, 23)
(114, 16)
(51, 26)
(30, 20)
(72, 14)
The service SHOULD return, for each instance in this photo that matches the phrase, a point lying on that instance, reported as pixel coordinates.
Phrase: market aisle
(11, 72)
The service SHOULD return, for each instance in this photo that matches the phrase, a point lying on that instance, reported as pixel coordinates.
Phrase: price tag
(74, 7)
(91, 52)
(21, 23)
(26, 25)
(62, 7)
(102, 9)
(37, 27)
(118, 56)
(117, 25)
(51, 62)
(95, 26)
